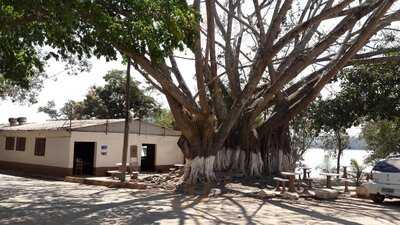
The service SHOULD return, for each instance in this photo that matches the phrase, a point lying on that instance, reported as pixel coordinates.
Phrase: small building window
(40, 146)
(20, 145)
(144, 151)
(134, 151)
(10, 143)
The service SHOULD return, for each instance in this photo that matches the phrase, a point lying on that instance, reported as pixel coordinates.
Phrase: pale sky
(61, 88)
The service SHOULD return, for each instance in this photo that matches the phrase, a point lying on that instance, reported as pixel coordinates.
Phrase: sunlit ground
(34, 201)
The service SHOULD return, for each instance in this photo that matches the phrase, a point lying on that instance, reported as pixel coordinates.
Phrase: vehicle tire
(377, 198)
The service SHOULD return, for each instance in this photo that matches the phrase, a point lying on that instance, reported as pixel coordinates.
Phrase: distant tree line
(108, 102)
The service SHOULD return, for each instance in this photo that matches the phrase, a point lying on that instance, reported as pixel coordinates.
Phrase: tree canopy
(164, 118)
(32, 32)
(383, 138)
(371, 91)
(107, 102)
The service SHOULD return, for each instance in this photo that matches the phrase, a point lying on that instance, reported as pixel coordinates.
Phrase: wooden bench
(114, 174)
(281, 183)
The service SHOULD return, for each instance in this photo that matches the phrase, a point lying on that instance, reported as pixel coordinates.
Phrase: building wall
(56, 156)
(167, 150)
(59, 152)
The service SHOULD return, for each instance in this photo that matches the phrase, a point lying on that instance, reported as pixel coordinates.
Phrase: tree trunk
(276, 150)
(200, 156)
(338, 162)
(255, 152)
(250, 151)
(339, 153)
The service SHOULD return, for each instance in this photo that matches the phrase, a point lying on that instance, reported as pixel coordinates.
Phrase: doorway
(84, 158)
(148, 158)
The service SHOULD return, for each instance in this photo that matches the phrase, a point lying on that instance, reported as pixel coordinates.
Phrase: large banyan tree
(257, 63)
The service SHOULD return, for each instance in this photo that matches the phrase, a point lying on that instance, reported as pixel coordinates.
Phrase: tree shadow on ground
(312, 213)
(30, 175)
(30, 201)
(49, 206)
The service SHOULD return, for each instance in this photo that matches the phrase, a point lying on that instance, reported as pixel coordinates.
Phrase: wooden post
(126, 130)
(106, 126)
(140, 126)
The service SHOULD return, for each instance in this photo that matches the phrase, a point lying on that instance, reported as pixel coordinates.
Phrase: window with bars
(40, 146)
(20, 144)
(10, 143)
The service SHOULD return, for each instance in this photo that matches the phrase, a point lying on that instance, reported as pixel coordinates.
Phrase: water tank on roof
(12, 121)
(21, 120)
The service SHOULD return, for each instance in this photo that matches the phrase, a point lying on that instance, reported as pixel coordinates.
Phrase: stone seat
(281, 183)
(134, 174)
(326, 194)
(346, 179)
(114, 174)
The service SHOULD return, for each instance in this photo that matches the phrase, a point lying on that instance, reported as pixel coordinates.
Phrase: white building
(55, 147)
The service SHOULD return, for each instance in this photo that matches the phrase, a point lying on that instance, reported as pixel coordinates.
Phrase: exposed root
(256, 164)
(235, 159)
(202, 168)
(186, 172)
(223, 159)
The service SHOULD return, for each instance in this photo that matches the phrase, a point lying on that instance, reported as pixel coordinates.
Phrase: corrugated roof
(58, 125)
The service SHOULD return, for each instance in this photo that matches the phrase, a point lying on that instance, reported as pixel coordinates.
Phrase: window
(144, 151)
(40, 146)
(134, 151)
(20, 145)
(10, 143)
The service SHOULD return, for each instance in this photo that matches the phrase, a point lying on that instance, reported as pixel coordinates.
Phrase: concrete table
(128, 168)
(328, 178)
(291, 176)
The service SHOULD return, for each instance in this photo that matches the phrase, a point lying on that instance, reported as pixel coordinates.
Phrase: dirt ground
(40, 202)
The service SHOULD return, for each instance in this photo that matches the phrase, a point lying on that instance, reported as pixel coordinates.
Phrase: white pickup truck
(385, 180)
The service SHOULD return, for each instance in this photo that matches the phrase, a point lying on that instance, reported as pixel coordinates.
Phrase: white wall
(56, 152)
(60, 148)
(167, 150)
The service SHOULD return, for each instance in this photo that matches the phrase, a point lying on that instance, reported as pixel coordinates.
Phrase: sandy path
(34, 201)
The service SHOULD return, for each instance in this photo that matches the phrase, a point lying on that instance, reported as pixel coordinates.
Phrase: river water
(317, 159)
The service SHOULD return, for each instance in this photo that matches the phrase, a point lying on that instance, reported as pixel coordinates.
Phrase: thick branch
(215, 89)
(182, 84)
(162, 77)
(369, 29)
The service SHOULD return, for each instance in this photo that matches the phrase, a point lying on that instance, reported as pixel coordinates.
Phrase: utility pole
(127, 119)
